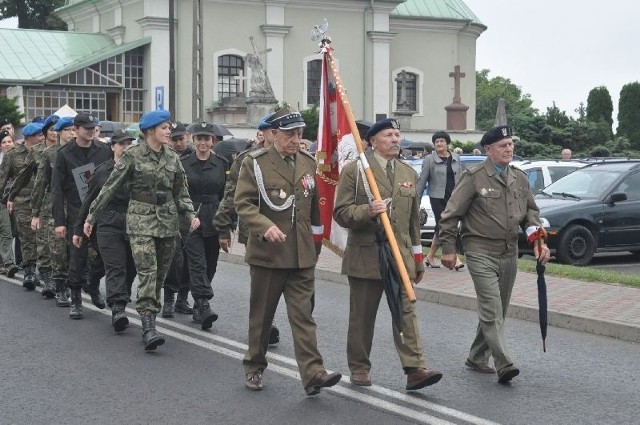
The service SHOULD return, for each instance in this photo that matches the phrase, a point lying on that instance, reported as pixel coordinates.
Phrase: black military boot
(274, 334)
(182, 303)
(203, 314)
(119, 319)
(150, 337)
(168, 309)
(49, 289)
(76, 304)
(11, 269)
(93, 289)
(30, 279)
(62, 293)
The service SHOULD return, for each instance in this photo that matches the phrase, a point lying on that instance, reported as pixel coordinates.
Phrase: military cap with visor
(178, 129)
(120, 135)
(83, 120)
(203, 129)
(286, 119)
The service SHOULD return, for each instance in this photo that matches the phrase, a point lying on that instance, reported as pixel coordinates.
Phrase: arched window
(232, 81)
(314, 74)
(406, 91)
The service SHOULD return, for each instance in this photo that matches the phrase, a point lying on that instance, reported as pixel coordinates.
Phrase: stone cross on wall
(241, 78)
(403, 78)
(456, 74)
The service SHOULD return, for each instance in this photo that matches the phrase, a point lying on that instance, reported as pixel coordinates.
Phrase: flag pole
(384, 218)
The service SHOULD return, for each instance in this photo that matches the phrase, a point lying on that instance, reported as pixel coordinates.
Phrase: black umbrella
(542, 298)
(390, 279)
(230, 147)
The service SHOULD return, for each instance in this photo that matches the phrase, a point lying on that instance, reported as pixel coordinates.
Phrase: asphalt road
(59, 371)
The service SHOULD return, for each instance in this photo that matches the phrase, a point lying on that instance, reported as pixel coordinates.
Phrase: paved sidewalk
(597, 308)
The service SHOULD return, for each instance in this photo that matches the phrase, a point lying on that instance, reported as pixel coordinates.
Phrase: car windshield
(587, 183)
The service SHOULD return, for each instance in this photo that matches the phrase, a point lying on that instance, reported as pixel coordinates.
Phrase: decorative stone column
(457, 111)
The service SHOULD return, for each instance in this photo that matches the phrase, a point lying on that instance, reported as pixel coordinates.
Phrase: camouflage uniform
(13, 164)
(27, 179)
(41, 208)
(158, 191)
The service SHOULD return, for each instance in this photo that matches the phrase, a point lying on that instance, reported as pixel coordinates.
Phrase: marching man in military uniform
(355, 210)
(277, 198)
(492, 200)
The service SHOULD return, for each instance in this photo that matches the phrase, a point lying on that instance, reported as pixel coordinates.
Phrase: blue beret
(153, 118)
(496, 134)
(39, 119)
(381, 125)
(51, 120)
(63, 122)
(32, 129)
(265, 122)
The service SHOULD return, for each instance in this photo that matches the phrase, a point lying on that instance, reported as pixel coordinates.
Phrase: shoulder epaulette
(513, 167)
(309, 154)
(475, 168)
(258, 152)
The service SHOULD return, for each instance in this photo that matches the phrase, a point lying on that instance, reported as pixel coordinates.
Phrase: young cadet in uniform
(277, 198)
(177, 280)
(355, 210)
(20, 204)
(158, 191)
(111, 234)
(75, 164)
(206, 176)
(41, 216)
(27, 178)
(492, 200)
(9, 267)
(226, 217)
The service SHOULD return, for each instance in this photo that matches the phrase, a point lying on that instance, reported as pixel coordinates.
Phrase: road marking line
(338, 389)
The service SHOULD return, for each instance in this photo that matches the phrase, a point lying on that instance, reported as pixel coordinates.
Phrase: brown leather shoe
(507, 373)
(254, 381)
(322, 379)
(361, 379)
(479, 367)
(421, 378)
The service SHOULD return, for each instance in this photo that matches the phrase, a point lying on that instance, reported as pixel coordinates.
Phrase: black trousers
(120, 271)
(81, 270)
(202, 256)
(177, 279)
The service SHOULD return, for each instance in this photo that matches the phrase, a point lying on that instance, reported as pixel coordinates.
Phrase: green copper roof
(36, 56)
(436, 9)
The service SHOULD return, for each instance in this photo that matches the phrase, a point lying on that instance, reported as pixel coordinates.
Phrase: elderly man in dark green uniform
(277, 198)
(492, 200)
(356, 210)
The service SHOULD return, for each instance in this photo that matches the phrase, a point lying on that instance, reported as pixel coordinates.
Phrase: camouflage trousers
(28, 245)
(58, 252)
(152, 257)
(6, 237)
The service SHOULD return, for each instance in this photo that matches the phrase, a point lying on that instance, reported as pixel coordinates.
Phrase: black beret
(496, 134)
(381, 125)
(5, 121)
(441, 135)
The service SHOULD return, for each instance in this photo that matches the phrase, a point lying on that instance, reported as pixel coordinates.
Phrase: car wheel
(576, 246)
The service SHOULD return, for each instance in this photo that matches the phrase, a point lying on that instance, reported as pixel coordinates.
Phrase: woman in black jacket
(206, 177)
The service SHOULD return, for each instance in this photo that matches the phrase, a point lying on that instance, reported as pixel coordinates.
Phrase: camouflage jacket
(158, 190)
(14, 162)
(28, 173)
(41, 195)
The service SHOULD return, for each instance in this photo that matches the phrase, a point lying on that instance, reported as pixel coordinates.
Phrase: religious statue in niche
(260, 85)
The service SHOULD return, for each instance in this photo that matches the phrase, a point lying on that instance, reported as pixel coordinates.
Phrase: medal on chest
(308, 183)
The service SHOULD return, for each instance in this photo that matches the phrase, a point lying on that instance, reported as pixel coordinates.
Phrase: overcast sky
(558, 50)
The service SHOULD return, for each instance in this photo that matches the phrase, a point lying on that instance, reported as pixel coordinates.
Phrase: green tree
(33, 14)
(629, 113)
(556, 117)
(599, 105)
(311, 117)
(9, 109)
(490, 90)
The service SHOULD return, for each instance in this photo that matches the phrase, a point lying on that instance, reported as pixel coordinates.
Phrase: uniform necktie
(291, 161)
(389, 170)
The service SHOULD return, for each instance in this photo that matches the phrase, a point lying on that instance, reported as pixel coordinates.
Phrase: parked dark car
(593, 209)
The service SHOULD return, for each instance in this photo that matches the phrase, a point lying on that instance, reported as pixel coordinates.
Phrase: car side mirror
(618, 197)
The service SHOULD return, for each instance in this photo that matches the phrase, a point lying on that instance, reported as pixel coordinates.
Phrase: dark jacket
(206, 184)
(114, 216)
(63, 185)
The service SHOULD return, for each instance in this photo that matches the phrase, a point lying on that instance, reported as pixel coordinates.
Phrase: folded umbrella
(390, 279)
(542, 297)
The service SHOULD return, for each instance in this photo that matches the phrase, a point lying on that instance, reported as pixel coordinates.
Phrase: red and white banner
(336, 147)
